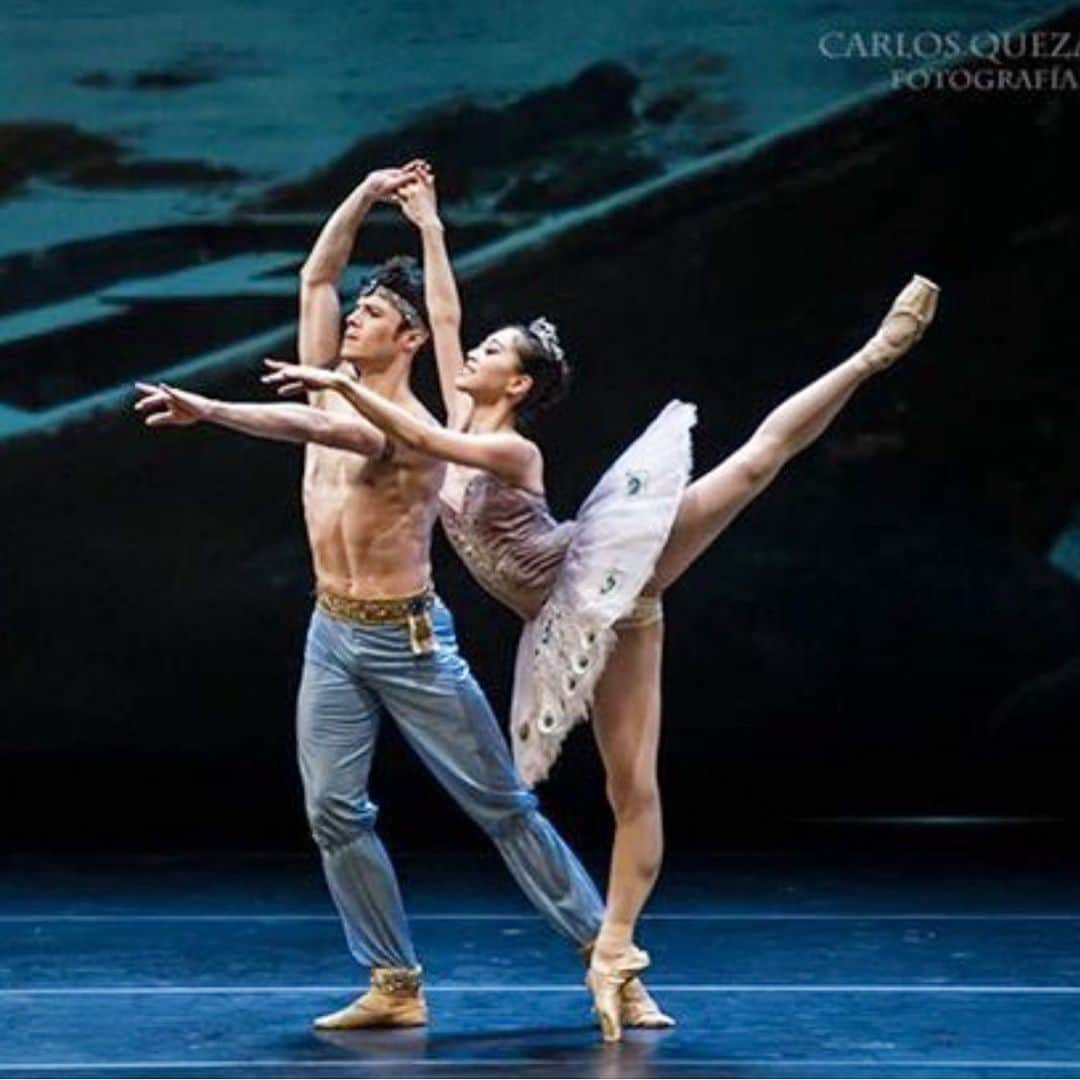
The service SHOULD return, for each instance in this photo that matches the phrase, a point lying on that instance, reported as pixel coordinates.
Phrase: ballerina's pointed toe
(904, 324)
(605, 983)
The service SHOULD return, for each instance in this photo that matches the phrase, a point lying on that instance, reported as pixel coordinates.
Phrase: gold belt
(413, 611)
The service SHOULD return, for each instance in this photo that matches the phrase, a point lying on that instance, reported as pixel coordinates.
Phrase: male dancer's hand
(165, 406)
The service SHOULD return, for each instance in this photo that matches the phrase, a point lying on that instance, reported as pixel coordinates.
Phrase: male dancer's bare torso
(369, 520)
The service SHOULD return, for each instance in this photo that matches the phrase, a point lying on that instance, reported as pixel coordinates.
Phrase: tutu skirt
(619, 533)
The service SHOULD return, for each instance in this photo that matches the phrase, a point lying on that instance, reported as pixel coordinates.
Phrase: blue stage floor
(776, 965)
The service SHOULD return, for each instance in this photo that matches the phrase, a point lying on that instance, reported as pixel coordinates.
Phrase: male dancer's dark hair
(401, 276)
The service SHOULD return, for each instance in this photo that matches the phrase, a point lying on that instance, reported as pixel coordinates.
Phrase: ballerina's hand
(381, 184)
(291, 379)
(417, 198)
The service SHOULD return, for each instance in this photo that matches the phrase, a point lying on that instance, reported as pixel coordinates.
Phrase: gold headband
(406, 310)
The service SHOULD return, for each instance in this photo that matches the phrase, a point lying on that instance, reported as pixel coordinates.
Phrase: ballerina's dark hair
(541, 357)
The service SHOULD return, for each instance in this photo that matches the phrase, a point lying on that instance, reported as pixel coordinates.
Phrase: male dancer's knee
(511, 813)
(494, 796)
(336, 821)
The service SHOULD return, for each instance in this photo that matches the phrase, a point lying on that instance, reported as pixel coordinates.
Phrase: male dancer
(380, 640)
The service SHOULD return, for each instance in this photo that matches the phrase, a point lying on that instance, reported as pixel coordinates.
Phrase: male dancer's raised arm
(319, 342)
(506, 455)
(319, 338)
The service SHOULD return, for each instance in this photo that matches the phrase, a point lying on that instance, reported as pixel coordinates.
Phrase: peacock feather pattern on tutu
(572, 581)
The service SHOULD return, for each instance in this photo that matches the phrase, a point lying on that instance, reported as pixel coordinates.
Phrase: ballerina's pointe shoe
(638, 1008)
(906, 322)
(606, 981)
(395, 1000)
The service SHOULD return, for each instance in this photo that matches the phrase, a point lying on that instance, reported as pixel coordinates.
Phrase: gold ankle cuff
(397, 980)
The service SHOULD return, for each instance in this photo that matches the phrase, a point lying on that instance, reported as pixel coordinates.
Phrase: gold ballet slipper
(394, 1000)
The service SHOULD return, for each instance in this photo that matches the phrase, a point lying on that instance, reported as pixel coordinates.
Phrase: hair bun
(546, 333)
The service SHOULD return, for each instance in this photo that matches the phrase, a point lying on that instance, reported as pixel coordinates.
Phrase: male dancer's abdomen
(365, 546)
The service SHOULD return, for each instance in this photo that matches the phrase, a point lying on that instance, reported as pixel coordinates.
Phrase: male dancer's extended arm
(166, 406)
(418, 203)
(320, 306)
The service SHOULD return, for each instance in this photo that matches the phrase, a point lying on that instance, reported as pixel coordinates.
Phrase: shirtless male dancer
(380, 639)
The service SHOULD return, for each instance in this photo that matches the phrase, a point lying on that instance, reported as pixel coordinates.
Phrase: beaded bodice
(508, 539)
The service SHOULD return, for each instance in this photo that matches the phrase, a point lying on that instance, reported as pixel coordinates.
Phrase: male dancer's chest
(368, 522)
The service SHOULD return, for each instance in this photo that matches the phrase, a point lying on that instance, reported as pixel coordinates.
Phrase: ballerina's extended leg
(713, 501)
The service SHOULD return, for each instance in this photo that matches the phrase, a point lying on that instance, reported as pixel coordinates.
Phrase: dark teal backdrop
(711, 207)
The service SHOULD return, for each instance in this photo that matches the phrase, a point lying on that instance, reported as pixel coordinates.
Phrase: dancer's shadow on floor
(578, 1044)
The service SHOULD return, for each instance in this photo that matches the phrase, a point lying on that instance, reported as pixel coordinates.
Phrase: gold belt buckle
(421, 635)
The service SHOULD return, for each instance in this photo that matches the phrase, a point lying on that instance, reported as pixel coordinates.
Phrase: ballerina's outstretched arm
(506, 454)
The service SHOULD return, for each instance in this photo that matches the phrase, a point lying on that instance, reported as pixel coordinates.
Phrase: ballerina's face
(492, 370)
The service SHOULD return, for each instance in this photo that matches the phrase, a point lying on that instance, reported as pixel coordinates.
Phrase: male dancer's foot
(395, 1000)
(906, 321)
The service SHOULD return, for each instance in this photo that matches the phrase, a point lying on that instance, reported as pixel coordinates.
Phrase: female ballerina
(589, 589)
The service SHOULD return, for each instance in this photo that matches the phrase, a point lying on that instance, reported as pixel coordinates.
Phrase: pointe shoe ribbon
(606, 981)
(639, 1009)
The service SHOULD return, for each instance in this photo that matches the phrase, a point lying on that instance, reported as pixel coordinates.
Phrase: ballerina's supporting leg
(626, 720)
(713, 501)
(626, 706)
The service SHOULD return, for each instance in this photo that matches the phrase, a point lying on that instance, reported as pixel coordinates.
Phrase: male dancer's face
(375, 335)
